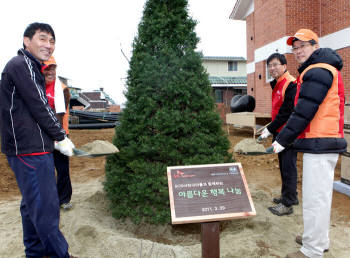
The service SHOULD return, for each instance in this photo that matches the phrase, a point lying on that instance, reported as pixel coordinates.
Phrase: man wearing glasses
(283, 94)
(316, 128)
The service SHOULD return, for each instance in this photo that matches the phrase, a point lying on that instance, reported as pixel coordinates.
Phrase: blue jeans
(40, 212)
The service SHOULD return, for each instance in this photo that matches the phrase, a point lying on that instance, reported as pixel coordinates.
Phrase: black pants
(288, 168)
(64, 186)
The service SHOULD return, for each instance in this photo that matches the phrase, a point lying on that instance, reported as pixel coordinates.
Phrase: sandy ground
(92, 232)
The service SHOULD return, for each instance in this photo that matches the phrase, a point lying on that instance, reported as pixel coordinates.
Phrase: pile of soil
(99, 147)
(248, 145)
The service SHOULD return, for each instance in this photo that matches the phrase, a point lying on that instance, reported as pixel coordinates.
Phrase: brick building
(269, 24)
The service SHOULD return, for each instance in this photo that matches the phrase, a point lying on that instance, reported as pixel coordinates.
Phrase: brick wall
(345, 72)
(262, 89)
(310, 18)
(269, 20)
(335, 16)
(250, 38)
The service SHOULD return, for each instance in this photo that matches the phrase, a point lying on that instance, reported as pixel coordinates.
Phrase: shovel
(81, 153)
(268, 150)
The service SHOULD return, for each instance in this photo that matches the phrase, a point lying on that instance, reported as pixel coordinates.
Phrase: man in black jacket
(316, 129)
(29, 129)
(283, 94)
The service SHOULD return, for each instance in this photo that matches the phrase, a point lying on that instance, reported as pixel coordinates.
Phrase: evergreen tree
(169, 119)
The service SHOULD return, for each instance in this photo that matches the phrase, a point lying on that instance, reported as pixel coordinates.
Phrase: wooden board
(347, 138)
(211, 192)
(345, 168)
(347, 114)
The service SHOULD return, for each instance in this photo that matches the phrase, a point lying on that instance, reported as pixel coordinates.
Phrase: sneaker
(299, 240)
(298, 254)
(281, 210)
(67, 206)
(278, 200)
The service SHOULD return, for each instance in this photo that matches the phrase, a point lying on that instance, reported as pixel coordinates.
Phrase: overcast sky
(90, 35)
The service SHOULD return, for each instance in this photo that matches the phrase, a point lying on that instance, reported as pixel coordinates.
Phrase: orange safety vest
(278, 94)
(328, 121)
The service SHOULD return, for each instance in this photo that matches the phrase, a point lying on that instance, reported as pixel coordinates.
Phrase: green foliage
(170, 117)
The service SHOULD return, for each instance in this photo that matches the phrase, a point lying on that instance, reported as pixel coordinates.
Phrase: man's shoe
(298, 254)
(67, 206)
(278, 200)
(299, 240)
(281, 210)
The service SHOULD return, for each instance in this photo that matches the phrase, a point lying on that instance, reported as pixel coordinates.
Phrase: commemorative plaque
(212, 192)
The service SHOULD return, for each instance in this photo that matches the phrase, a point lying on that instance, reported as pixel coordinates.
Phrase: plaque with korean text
(211, 192)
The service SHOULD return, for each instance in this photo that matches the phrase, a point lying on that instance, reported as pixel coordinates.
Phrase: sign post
(209, 193)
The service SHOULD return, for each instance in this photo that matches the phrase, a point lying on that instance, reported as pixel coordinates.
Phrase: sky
(91, 35)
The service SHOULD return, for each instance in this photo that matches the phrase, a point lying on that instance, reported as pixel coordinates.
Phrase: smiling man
(283, 94)
(28, 131)
(316, 128)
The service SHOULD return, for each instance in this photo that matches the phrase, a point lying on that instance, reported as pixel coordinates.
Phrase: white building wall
(220, 68)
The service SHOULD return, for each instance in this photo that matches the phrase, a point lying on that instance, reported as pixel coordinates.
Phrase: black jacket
(313, 90)
(28, 124)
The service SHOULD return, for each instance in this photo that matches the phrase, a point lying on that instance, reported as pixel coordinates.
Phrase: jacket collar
(24, 52)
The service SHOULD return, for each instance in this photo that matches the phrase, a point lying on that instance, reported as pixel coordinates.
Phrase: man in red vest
(316, 129)
(283, 94)
(58, 97)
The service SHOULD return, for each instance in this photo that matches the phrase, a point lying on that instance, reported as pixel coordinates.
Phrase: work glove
(277, 148)
(265, 133)
(65, 147)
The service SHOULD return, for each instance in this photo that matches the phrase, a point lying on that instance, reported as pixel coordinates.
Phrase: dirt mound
(248, 145)
(99, 147)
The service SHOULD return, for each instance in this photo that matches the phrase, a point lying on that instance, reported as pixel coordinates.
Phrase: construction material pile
(248, 145)
(99, 147)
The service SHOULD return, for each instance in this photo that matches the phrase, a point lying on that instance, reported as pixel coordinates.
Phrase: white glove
(265, 133)
(277, 148)
(65, 147)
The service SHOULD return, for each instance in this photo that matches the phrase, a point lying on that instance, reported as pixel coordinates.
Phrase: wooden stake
(210, 233)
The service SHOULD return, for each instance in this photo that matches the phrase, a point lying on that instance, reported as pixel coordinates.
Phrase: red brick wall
(345, 72)
(269, 20)
(262, 89)
(302, 14)
(335, 16)
(250, 38)
(221, 109)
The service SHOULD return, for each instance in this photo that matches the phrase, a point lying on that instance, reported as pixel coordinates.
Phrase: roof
(227, 81)
(224, 58)
(242, 9)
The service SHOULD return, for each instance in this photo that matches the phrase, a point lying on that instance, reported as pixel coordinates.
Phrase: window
(218, 96)
(232, 65)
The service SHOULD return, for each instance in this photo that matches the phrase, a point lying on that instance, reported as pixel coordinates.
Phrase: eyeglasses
(302, 47)
(273, 65)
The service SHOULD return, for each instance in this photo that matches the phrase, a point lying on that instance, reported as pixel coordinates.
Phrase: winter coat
(28, 124)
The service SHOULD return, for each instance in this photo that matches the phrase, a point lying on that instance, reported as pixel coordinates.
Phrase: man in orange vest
(283, 94)
(58, 97)
(316, 128)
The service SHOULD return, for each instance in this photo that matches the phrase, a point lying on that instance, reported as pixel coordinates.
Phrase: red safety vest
(278, 94)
